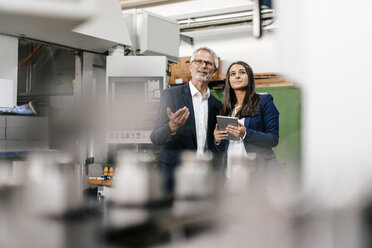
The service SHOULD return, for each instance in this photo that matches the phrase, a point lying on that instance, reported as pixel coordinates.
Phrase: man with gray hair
(187, 116)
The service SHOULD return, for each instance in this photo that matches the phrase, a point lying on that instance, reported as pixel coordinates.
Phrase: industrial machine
(60, 64)
(134, 87)
(94, 96)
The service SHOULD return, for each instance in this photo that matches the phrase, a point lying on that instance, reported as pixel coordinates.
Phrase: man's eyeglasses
(200, 62)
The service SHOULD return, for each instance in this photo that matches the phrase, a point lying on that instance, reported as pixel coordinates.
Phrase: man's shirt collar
(195, 91)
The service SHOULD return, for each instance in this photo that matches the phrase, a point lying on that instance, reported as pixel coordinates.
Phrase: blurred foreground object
(137, 182)
(50, 187)
(195, 177)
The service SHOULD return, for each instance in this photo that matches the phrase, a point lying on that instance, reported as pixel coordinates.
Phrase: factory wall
(230, 47)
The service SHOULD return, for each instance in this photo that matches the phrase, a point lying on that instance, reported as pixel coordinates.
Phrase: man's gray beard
(201, 79)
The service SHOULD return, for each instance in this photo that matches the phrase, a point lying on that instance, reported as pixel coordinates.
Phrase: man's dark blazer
(171, 146)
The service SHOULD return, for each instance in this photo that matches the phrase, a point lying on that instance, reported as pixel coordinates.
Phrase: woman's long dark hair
(251, 99)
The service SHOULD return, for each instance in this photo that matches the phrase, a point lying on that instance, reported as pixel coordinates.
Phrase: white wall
(258, 53)
(326, 47)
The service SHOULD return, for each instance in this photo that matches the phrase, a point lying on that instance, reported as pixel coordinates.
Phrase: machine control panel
(128, 137)
(134, 86)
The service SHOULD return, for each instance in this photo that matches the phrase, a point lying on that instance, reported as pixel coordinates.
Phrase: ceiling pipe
(192, 24)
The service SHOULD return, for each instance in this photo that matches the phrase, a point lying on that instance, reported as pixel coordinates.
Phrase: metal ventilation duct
(236, 18)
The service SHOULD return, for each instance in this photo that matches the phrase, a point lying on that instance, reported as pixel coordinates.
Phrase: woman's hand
(219, 135)
(237, 131)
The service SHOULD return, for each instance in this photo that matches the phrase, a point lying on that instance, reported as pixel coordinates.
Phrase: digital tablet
(223, 121)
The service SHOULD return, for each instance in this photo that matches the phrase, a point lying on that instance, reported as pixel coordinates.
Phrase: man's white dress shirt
(200, 105)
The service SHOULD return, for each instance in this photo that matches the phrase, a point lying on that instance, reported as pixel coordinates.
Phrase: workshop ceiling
(131, 4)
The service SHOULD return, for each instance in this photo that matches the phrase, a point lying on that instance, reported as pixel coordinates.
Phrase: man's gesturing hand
(176, 120)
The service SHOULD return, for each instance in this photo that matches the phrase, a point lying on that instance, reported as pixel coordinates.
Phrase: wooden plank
(275, 85)
(101, 182)
(270, 80)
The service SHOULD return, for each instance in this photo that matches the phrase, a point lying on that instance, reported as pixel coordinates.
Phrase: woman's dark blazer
(262, 131)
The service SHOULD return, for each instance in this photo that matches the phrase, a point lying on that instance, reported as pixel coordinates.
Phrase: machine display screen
(132, 106)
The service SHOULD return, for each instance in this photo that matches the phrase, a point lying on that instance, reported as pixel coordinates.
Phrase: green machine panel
(288, 101)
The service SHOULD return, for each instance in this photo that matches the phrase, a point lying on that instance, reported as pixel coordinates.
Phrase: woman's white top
(236, 148)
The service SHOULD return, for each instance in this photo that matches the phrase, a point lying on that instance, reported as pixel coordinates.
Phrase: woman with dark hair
(258, 125)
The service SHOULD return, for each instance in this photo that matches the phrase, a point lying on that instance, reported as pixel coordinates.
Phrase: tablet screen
(223, 121)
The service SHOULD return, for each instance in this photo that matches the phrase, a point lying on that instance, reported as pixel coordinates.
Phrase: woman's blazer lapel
(247, 121)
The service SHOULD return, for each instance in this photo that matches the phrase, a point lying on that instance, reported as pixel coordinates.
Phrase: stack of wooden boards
(180, 74)
(270, 79)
